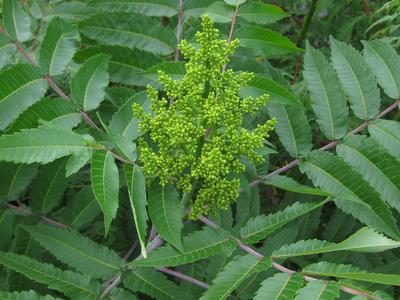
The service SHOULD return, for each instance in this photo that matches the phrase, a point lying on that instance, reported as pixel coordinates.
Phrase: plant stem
(179, 29)
(306, 23)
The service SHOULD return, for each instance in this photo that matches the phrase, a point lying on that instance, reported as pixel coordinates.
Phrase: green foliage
(135, 163)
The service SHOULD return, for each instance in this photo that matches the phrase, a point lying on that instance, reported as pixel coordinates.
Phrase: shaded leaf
(16, 21)
(279, 287)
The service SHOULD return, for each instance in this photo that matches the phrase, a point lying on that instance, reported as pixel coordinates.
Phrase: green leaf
(260, 227)
(54, 110)
(135, 181)
(292, 128)
(319, 290)
(49, 187)
(123, 120)
(152, 283)
(281, 286)
(7, 52)
(364, 240)
(15, 178)
(333, 175)
(195, 8)
(219, 12)
(385, 64)
(71, 284)
(58, 46)
(328, 100)
(77, 251)
(289, 184)
(350, 272)
(105, 183)
(357, 80)
(16, 21)
(87, 85)
(7, 219)
(235, 2)
(82, 209)
(125, 65)
(25, 295)
(233, 274)
(71, 11)
(151, 8)
(266, 41)
(198, 245)
(261, 13)
(387, 134)
(130, 30)
(77, 161)
(261, 85)
(42, 144)
(376, 166)
(166, 213)
(21, 86)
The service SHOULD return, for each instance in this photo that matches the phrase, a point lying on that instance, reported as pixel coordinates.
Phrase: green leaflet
(364, 240)
(235, 2)
(58, 46)
(77, 161)
(233, 274)
(105, 183)
(7, 52)
(328, 99)
(333, 175)
(71, 284)
(133, 31)
(350, 272)
(198, 245)
(21, 86)
(15, 178)
(152, 8)
(49, 186)
(292, 128)
(385, 64)
(7, 220)
(70, 11)
(54, 110)
(26, 295)
(387, 134)
(281, 286)
(43, 144)
(82, 209)
(135, 181)
(261, 13)
(319, 290)
(166, 213)
(260, 227)
(357, 80)
(265, 41)
(377, 167)
(87, 85)
(77, 251)
(220, 12)
(16, 21)
(154, 284)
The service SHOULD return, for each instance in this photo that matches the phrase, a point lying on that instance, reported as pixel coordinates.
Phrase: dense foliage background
(317, 218)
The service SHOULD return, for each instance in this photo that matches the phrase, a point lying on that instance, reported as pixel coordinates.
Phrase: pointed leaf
(87, 85)
(387, 134)
(77, 161)
(129, 30)
(281, 286)
(266, 41)
(16, 21)
(385, 64)
(377, 167)
(135, 181)
(233, 274)
(350, 272)
(328, 100)
(319, 290)
(58, 46)
(198, 245)
(260, 227)
(333, 175)
(261, 13)
(71, 284)
(166, 213)
(357, 80)
(21, 86)
(42, 144)
(105, 183)
(25, 295)
(77, 251)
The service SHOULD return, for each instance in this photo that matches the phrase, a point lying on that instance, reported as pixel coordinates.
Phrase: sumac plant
(156, 149)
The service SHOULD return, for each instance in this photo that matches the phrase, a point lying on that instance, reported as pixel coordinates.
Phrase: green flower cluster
(195, 134)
